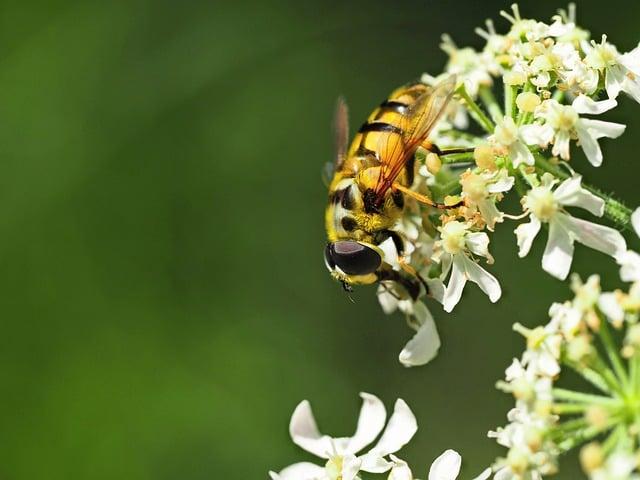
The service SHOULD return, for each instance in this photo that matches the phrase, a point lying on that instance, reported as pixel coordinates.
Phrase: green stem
(510, 100)
(474, 110)
(590, 375)
(569, 408)
(579, 397)
(607, 374)
(490, 102)
(612, 353)
(614, 210)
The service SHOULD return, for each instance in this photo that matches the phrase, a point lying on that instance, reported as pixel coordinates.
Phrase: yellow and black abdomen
(385, 120)
(347, 215)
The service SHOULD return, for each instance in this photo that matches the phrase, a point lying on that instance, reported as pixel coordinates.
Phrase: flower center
(541, 202)
(563, 117)
(333, 467)
(453, 237)
(602, 56)
(507, 132)
(474, 187)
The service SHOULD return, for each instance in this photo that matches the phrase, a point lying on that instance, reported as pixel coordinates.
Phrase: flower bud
(514, 77)
(591, 457)
(527, 101)
(517, 460)
(579, 348)
(484, 157)
(433, 163)
(597, 416)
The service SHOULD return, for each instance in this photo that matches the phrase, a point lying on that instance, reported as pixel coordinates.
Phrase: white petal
(632, 88)
(535, 134)
(635, 220)
(455, 286)
(604, 239)
(390, 253)
(558, 253)
(446, 466)
(629, 266)
(613, 83)
(300, 471)
(609, 305)
(478, 243)
(436, 288)
(401, 428)
(401, 472)
(350, 467)
(304, 432)
(525, 234)
(373, 462)
(423, 347)
(487, 282)
(503, 185)
(561, 143)
(570, 193)
(589, 144)
(370, 423)
(505, 473)
(387, 300)
(484, 475)
(599, 129)
(585, 104)
(520, 154)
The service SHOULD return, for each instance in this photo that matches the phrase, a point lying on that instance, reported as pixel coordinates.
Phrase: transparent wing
(395, 150)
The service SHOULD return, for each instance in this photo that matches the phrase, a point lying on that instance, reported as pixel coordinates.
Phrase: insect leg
(423, 198)
(433, 148)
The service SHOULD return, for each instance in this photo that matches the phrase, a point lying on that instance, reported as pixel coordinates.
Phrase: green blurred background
(164, 299)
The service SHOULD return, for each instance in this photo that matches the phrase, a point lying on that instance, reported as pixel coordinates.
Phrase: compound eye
(353, 258)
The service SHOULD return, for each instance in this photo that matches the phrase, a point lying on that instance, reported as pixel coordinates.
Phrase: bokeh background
(164, 300)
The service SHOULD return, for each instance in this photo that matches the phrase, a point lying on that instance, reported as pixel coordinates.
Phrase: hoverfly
(371, 179)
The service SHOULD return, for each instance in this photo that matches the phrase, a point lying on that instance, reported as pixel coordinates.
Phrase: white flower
(530, 455)
(424, 345)
(343, 463)
(621, 72)
(562, 123)
(508, 135)
(546, 205)
(566, 318)
(458, 245)
(481, 190)
(447, 467)
(470, 67)
(629, 262)
(635, 220)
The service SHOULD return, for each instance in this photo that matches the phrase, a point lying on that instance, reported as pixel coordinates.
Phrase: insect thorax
(350, 215)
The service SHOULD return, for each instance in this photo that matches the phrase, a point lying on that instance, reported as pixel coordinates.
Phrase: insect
(371, 180)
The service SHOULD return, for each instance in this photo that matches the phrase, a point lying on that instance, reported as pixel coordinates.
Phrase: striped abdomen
(385, 120)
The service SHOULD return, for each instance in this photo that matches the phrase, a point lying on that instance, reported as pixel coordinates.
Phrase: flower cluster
(597, 336)
(553, 80)
(342, 457)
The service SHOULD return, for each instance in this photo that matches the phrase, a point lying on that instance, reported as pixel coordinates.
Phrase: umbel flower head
(554, 81)
(603, 420)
